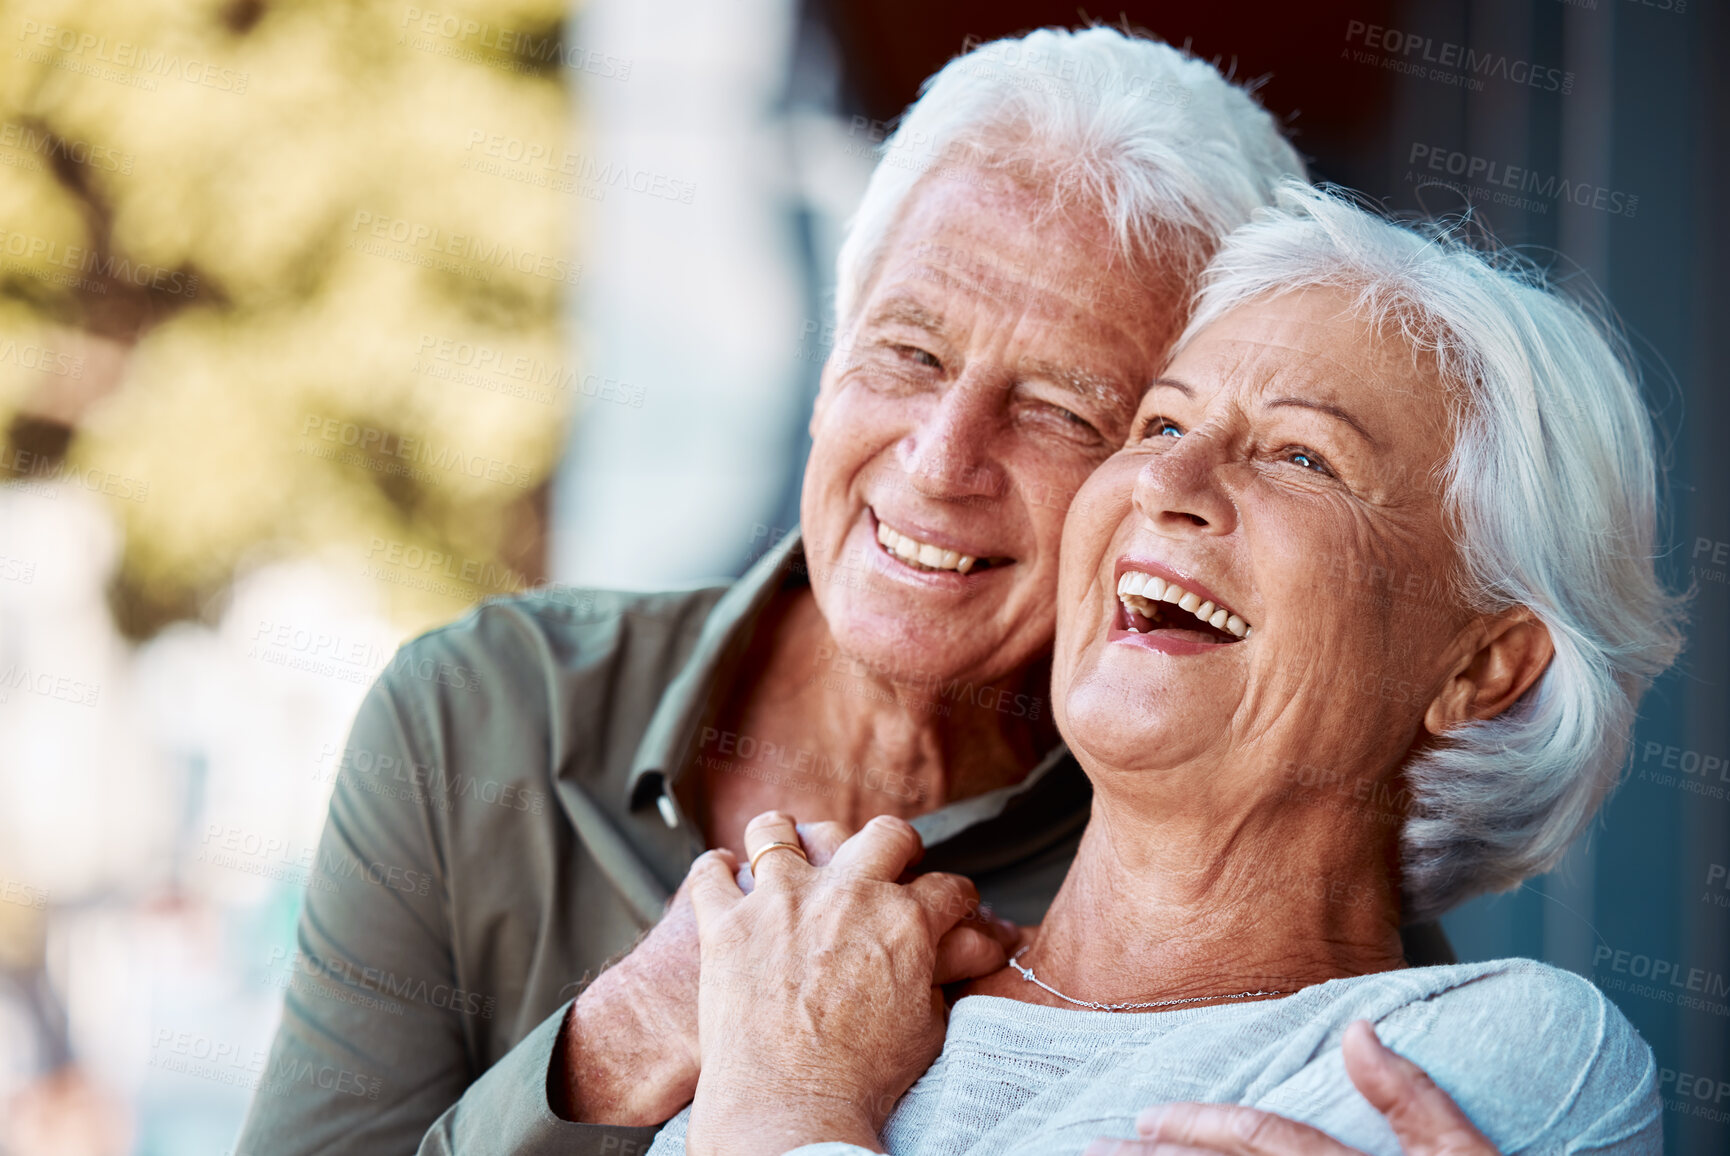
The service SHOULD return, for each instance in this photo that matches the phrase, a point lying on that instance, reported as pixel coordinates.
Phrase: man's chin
(890, 640)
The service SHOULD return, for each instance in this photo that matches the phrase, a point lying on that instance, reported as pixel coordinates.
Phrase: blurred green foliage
(261, 288)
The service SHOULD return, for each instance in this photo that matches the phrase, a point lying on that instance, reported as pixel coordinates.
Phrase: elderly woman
(524, 789)
(1287, 759)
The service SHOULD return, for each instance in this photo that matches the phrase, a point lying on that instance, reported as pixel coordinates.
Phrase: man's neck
(822, 735)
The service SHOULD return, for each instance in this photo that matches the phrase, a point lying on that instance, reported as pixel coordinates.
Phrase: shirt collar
(951, 819)
(665, 746)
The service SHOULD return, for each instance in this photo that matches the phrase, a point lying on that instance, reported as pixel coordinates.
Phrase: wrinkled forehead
(1043, 286)
(1014, 243)
(1312, 340)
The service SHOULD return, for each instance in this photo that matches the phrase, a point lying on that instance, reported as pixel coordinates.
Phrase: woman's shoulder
(1522, 994)
(1537, 1048)
(1522, 1003)
(1503, 979)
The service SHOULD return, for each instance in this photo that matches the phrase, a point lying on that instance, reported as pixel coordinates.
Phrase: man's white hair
(1552, 489)
(1173, 153)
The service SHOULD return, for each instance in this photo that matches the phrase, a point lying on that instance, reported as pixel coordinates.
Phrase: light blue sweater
(1536, 1056)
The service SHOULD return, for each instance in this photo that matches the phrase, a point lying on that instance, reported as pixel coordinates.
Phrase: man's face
(995, 359)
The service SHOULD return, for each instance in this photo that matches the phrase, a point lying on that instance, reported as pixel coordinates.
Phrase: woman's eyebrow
(1328, 408)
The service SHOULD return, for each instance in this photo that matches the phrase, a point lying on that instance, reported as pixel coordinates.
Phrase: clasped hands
(810, 998)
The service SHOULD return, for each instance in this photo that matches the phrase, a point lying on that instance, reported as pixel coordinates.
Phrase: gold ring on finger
(778, 844)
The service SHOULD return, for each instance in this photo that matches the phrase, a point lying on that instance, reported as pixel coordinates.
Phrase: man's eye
(919, 356)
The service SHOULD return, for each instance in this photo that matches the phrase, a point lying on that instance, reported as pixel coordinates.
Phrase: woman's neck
(814, 731)
(1190, 903)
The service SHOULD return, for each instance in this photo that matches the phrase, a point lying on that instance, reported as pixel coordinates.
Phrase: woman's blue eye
(1308, 462)
(1166, 429)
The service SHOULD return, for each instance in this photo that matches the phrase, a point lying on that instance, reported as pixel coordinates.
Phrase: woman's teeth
(1140, 592)
(923, 554)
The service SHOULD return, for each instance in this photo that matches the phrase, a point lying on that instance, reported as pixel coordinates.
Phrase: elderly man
(1012, 282)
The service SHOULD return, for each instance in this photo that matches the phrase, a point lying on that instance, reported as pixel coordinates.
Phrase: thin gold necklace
(1027, 974)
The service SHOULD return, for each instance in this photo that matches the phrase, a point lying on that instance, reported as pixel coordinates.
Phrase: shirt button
(668, 814)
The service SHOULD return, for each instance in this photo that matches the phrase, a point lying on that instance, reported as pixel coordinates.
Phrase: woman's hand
(1424, 1117)
(818, 1005)
(628, 1053)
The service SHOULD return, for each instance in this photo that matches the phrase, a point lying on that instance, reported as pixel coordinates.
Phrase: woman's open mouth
(1150, 604)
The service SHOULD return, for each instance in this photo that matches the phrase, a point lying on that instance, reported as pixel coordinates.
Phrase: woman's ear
(1504, 655)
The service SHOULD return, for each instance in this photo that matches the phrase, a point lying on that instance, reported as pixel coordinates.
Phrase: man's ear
(1503, 656)
(817, 409)
(825, 390)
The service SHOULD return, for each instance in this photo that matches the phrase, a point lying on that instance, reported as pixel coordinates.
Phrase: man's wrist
(612, 1067)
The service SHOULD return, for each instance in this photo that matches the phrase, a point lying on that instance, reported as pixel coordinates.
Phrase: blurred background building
(321, 322)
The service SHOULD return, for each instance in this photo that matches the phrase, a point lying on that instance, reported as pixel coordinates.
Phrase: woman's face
(1286, 469)
(995, 361)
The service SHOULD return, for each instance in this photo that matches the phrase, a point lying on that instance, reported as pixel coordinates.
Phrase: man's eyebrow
(1328, 408)
(906, 311)
(1100, 388)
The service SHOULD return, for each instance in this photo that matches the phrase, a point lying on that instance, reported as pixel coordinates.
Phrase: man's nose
(1178, 489)
(948, 456)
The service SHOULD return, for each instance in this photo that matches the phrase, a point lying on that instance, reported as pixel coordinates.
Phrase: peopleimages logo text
(417, 235)
(1487, 172)
(139, 58)
(1414, 49)
(84, 260)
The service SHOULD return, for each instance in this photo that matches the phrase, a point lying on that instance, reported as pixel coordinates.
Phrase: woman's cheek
(1080, 556)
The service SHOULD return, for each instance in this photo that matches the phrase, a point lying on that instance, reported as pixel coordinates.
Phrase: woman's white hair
(1174, 154)
(1552, 490)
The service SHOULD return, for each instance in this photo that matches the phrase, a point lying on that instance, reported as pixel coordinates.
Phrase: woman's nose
(947, 456)
(1178, 490)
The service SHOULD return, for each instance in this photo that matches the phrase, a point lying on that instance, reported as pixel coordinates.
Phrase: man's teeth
(1140, 591)
(923, 553)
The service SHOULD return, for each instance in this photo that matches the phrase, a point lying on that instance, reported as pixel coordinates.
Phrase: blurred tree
(284, 277)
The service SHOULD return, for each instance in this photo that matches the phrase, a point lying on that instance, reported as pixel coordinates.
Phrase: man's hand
(1424, 1117)
(628, 1052)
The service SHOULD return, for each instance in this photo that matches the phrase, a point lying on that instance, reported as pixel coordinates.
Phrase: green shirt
(502, 824)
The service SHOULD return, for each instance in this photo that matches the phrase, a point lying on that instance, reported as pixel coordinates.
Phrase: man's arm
(374, 1051)
(364, 1060)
